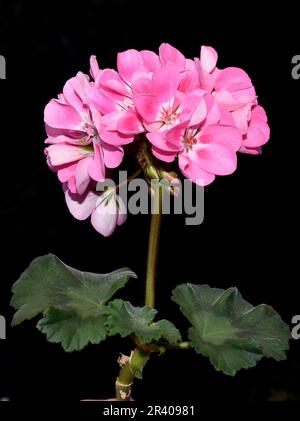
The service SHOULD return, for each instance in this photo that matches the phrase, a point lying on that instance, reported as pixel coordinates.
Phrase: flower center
(189, 139)
(90, 130)
(168, 116)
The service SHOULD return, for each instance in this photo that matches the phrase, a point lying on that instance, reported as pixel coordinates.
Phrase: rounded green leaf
(73, 302)
(228, 330)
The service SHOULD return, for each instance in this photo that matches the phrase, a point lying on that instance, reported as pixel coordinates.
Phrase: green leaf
(228, 330)
(125, 319)
(73, 302)
(71, 330)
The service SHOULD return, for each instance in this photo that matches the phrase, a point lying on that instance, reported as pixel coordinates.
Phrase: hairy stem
(153, 248)
(131, 368)
(139, 357)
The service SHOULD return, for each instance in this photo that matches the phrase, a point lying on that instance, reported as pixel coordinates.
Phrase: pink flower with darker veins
(106, 210)
(112, 95)
(195, 116)
(76, 151)
(235, 94)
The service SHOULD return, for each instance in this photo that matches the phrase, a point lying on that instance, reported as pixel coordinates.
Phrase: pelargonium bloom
(76, 151)
(112, 95)
(235, 94)
(205, 152)
(106, 210)
(193, 114)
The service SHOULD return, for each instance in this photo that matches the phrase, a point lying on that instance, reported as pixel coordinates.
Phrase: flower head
(193, 115)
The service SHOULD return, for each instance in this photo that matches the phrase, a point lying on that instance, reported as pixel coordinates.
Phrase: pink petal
(114, 137)
(75, 91)
(227, 135)
(101, 101)
(163, 155)
(234, 88)
(82, 178)
(214, 112)
(111, 81)
(174, 136)
(105, 217)
(251, 151)
(217, 158)
(255, 138)
(94, 67)
(96, 117)
(72, 98)
(113, 155)
(208, 58)
(128, 63)
(53, 132)
(199, 114)
(233, 79)
(111, 120)
(171, 56)
(130, 123)
(226, 100)
(96, 167)
(80, 141)
(226, 118)
(61, 116)
(82, 85)
(60, 154)
(148, 106)
(189, 81)
(150, 60)
(72, 185)
(259, 120)
(241, 117)
(192, 171)
(165, 83)
(194, 108)
(142, 86)
(81, 206)
(206, 80)
(66, 171)
(258, 112)
(159, 140)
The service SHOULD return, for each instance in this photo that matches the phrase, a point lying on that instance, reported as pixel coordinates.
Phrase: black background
(250, 235)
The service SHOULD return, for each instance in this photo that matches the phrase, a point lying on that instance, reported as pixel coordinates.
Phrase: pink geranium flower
(205, 153)
(106, 210)
(76, 151)
(112, 95)
(234, 93)
(253, 124)
(191, 112)
(231, 87)
(171, 57)
(162, 106)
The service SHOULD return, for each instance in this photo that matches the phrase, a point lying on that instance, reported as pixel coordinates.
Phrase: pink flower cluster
(189, 110)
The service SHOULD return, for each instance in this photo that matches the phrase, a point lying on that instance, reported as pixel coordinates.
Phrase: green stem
(131, 369)
(153, 248)
(134, 367)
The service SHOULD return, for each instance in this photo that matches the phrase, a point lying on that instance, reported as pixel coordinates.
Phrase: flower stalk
(128, 372)
(153, 248)
(139, 357)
